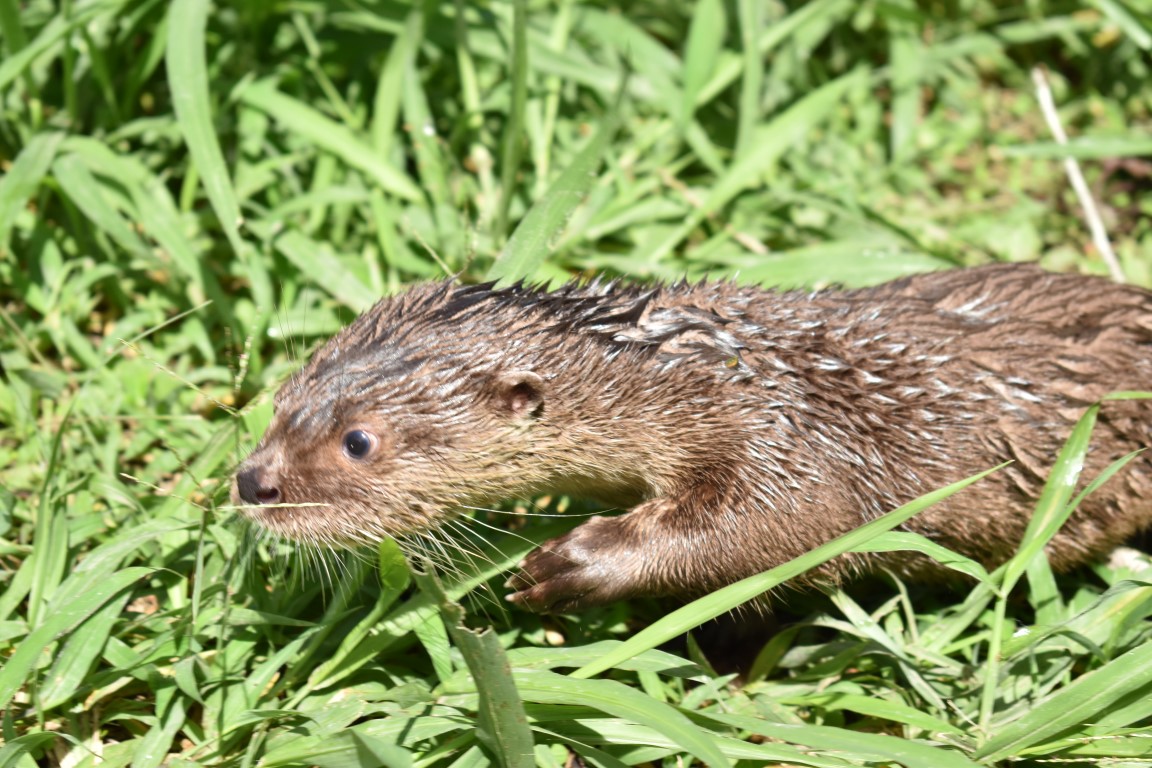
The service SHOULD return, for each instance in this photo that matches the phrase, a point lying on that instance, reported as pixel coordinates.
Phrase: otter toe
(568, 573)
(551, 582)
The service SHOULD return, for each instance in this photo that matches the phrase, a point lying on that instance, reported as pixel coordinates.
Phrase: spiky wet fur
(745, 426)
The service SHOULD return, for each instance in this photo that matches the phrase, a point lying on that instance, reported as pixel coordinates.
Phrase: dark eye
(358, 443)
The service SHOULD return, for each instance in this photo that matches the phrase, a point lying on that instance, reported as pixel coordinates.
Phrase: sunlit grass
(193, 196)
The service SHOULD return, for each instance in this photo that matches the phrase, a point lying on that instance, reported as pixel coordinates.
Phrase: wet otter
(743, 426)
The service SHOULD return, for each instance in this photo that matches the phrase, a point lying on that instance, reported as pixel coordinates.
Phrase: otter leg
(654, 550)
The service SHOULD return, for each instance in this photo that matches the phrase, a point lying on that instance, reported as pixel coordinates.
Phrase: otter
(742, 426)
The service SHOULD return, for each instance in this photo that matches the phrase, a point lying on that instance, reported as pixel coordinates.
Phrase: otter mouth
(321, 524)
(295, 522)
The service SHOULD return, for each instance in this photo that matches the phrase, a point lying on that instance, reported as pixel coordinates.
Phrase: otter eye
(358, 443)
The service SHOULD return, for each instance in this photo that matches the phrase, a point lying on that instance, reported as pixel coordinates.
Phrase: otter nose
(254, 488)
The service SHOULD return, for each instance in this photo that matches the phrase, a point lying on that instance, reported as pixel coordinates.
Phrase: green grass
(194, 196)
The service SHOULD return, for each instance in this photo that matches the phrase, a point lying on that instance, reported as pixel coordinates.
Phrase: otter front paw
(582, 568)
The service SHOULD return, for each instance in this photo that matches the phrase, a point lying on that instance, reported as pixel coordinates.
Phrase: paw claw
(569, 573)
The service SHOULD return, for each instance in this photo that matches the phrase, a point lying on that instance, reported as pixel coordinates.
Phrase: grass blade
(529, 245)
(313, 258)
(152, 202)
(87, 193)
(871, 747)
(773, 36)
(10, 28)
(906, 541)
(894, 711)
(1138, 29)
(503, 724)
(74, 660)
(771, 141)
(65, 615)
(329, 136)
(1085, 148)
(621, 701)
(514, 127)
(1082, 701)
(907, 55)
(705, 41)
(750, 13)
(1053, 509)
(188, 81)
(53, 32)
(23, 179)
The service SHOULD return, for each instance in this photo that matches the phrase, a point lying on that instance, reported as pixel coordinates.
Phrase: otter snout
(254, 485)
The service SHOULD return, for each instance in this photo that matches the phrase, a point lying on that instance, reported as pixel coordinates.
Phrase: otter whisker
(528, 513)
(498, 529)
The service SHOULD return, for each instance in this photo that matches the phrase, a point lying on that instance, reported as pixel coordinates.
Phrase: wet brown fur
(743, 426)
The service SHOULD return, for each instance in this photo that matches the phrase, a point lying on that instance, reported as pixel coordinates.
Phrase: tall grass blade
(503, 724)
(1053, 509)
(772, 37)
(1084, 148)
(1138, 29)
(346, 749)
(513, 147)
(750, 14)
(531, 243)
(10, 27)
(188, 81)
(705, 41)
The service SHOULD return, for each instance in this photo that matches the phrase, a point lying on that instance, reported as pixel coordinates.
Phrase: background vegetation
(194, 195)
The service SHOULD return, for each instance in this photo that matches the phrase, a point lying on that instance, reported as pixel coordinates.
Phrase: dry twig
(1072, 168)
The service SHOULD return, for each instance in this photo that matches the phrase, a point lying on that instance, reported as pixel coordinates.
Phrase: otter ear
(520, 393)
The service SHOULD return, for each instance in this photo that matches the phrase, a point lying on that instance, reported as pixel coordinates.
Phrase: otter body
(744, 427)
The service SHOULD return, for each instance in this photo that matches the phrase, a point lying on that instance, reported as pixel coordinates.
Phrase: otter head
(376, 439)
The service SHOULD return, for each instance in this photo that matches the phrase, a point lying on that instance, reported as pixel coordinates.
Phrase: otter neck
(619, 442)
